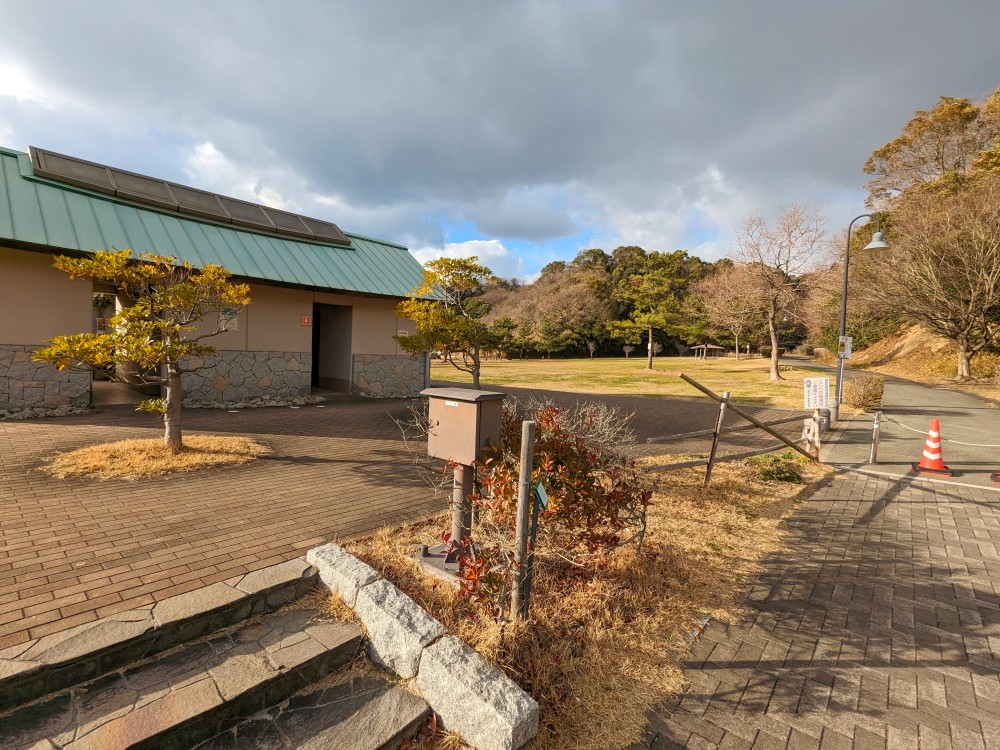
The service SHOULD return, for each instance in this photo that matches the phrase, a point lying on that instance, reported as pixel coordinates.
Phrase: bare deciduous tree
(777, 257)
(943, 270)
(731, 299)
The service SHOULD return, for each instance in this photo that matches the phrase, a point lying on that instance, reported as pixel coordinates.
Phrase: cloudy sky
(522, 132)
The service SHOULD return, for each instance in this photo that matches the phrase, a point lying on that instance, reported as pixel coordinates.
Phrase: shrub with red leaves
(597, 497)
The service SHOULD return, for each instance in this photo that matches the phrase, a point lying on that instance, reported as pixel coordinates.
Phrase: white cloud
(658, 124)
(209, 169)
(20, 84)
(492, 253)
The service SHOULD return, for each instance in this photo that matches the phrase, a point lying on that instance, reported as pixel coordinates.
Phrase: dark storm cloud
(532, 119)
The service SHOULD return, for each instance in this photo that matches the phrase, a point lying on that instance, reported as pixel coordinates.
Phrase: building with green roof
(323, 310)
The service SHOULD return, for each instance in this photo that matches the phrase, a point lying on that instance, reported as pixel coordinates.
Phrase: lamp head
(877, 243)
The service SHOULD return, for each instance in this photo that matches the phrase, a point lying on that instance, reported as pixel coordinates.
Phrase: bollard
(876, 431)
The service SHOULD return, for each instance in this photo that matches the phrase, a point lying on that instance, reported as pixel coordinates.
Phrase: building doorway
(331, 348)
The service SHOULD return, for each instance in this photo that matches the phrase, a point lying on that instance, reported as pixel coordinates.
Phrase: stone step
(188, 694)
(61, 660)
(359, 713)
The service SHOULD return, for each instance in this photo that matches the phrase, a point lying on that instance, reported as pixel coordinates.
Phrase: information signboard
(844, 347)
(817, 393)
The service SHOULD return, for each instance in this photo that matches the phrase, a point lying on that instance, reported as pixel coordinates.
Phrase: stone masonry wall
(31, 385)
(387, 375)
(237, 376)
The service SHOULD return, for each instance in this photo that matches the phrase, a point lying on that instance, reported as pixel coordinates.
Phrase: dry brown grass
(602, 645)
(747, 380)
(138, 459)
(917, 355)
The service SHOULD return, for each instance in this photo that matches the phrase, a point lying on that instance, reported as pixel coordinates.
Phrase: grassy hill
(915, 354)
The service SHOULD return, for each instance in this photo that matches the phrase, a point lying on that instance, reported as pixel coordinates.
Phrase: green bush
(784, 468)
(765, 351)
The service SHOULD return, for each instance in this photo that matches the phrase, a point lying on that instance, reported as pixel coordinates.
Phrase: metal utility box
(462, 422)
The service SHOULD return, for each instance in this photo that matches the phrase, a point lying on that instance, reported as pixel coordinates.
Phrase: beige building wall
(273, 322)
(274, 319)
(374, 325)
(38, 302)
(269, 350)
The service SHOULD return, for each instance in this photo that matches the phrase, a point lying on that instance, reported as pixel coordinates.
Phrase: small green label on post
(542, 496)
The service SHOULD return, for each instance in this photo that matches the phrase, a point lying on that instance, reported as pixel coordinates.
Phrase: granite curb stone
(474, 698)
(398, 628)
(341, 572)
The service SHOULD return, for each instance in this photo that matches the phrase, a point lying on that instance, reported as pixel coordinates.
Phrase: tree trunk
(475, 367)
(649, 350)
(964, 361)
(172, 412)
(737, 346)
(773, 330)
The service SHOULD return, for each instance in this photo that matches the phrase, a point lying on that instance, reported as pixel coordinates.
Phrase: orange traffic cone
(932, 461)
(996, 478)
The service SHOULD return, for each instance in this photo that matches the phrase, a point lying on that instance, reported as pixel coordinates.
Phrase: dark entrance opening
(331, 347)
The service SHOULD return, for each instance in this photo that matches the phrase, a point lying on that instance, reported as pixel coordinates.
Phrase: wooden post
(529, 563)
(715, 437)
(525, 499)
(753, 420)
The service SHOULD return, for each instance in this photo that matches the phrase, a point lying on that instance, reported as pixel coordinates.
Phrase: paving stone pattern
(72, 551)
(878, 628)
(27, 385)
(656, 417)
(238, 667)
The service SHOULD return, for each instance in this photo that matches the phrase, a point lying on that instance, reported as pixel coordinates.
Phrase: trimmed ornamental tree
(447, 311)
(168, 311)
(652, 287)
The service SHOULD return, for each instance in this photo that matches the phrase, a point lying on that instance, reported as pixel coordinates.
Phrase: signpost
(844, 347)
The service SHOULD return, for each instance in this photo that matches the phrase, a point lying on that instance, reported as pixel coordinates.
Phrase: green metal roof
(51, 215)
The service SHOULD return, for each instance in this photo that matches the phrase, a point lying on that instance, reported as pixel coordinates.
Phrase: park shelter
(323, 301)
(708, 351)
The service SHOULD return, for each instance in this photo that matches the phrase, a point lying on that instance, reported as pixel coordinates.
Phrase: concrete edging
(472, 697)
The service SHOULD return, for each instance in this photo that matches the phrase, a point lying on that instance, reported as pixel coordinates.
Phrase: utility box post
(461, 422)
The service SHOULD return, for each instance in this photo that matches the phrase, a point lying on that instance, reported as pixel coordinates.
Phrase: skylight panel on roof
(199, 203)
(180, 198)
(143, 189)
(74, 171)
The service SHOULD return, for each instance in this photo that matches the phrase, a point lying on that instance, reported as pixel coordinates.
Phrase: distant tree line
(935, 190)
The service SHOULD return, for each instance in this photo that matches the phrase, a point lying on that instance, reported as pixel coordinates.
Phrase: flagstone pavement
(879, 627)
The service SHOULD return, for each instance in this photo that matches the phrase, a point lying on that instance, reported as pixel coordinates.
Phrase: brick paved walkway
(880, 627)
(656, 417)
(73, 551)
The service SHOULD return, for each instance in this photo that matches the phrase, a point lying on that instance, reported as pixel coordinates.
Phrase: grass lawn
(747, 379)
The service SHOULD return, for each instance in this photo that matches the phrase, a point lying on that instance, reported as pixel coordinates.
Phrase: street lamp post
(877, 243)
